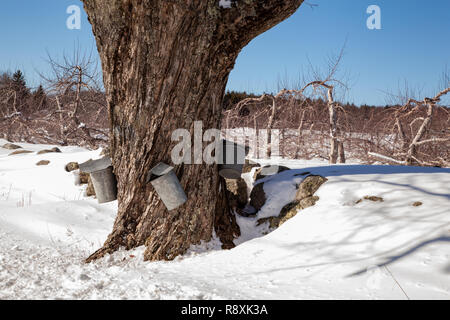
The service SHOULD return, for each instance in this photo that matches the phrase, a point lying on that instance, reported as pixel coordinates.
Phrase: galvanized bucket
(231, 160)
(103, 178)
(95, 165)
(167, 186)
(105, 185)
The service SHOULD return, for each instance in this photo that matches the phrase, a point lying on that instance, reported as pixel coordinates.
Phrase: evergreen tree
(20, 87)
(39, 97)
(18, 80)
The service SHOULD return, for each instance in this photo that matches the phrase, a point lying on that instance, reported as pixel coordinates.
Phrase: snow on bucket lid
(159, 170)
(95, 165)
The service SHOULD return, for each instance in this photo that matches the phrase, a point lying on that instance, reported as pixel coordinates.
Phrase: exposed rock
(288, 211)
(84, 177)
(304, 199)
(11, 146)
(258, 196)
(309, 186)
(84, 277)
(105, 152)
(90, 191)
(370, 198)
(43, 163)
(374, 198)
(417, 204)
(273, 222)
(53, 150)
(72, 166)
(19, 152)
(237, 193)
(268, 171)
(291, 209)
(308, 202)
(249, 165)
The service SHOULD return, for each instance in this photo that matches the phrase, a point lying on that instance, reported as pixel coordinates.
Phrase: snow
(335, 250)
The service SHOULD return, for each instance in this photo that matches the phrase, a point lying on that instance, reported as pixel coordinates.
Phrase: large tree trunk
(166, 64)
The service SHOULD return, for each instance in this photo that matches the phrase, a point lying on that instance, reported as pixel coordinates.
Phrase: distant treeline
(70, 112)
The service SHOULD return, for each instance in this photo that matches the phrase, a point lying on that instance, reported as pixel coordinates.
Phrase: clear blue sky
(413, 44)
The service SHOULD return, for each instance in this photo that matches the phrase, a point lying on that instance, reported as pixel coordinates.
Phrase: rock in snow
(258, 196)
(43, 163)
(304, 198)
(237, 193)
(309, 186)
(72, 166)
(20, 152)
(268, 171)
(11, 146)
(55, 149)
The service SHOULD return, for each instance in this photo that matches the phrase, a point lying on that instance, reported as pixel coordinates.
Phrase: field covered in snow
(337, 249)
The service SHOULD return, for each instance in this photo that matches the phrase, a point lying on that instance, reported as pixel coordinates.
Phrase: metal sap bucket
(103, 178)
(167, 186)
(231, 160)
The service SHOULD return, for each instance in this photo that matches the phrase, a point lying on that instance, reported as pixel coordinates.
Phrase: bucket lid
(95, 165)
(159, 170)
(229, 173)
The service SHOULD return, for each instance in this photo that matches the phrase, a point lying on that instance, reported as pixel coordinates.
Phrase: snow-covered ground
(335, 250)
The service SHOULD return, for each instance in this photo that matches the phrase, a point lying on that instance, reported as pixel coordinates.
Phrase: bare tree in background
(271, 113)
(13, 94)
(336, 139)
(326, 86)
(283, 98)
(72, 83)
(416, 141)
(13, 101)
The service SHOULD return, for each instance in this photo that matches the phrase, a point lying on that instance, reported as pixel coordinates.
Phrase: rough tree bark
(165, 65)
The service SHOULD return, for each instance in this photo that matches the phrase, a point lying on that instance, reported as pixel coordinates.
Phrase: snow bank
(335, 250)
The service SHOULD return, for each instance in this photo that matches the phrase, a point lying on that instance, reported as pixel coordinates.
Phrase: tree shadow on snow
(349, 170)
(398, 224)
(403, 254)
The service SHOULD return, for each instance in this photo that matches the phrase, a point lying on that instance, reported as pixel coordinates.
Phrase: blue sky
(413, 44)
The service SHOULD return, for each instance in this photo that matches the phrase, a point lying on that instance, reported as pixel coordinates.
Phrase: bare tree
(13, 92)
(271, 115)
(328, 83)
(71, 82)
(13, 100)
(417, 115)
(282, 98)
(333, 119)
